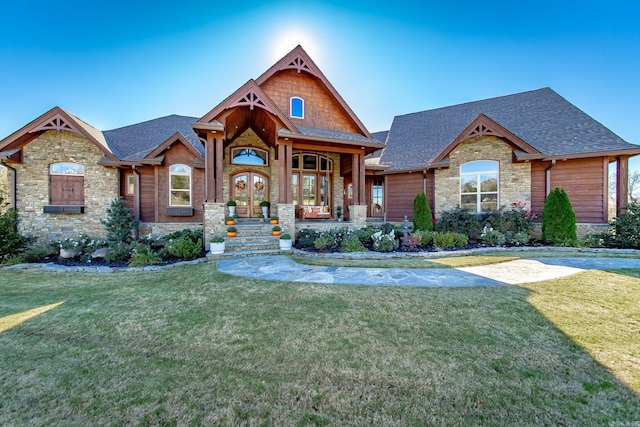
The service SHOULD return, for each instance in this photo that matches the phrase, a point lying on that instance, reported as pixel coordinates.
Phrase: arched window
(179, 185)
(479, 181)
(249, 156)
(296, 107)
(66, 184)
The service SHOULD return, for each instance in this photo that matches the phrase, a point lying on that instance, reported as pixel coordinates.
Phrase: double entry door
(248, 190)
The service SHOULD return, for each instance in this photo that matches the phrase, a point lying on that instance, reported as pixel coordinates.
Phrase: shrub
(491, 237)
(193, 235)
(625, 229)
(325, 241)
(37, 253)
(306, 238)
(516, 219)
(118, 252)
(558, 218)
(184, 247)
(364, 234)
(385, 242)
(449, 240)
(351, 243)
(422, 217)
(412, 241)
(425, 236)
(11, 242)
(461, 220)
(120, 222)
(143, 255)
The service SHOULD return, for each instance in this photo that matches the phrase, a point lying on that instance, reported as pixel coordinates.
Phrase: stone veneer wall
(32, 184)
(159, 229)
(4, 183)
(515, 178)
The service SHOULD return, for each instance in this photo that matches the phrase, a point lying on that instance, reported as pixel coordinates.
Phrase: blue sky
(114, 63)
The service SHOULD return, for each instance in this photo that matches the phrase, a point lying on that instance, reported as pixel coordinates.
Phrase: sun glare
(289, 39)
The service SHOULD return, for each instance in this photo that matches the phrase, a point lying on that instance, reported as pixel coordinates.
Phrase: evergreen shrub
(422, 216)
(558, 219)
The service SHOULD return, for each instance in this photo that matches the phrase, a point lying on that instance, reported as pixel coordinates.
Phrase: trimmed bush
(461, 220)
(385, 242)
(326, 241)
(422, 216)
(143, 255)
(558, 218)
(306, 238)
(184, 247)
(449, 240)
(351, 243)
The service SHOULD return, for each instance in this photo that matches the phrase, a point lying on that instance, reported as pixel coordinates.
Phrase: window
(312, 180)
(296, 107)
(66, 184)
(131, 184)
(479, 185)
(249, 156)
(180, 185)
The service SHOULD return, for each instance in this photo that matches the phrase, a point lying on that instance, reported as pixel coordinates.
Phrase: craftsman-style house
(289, 138)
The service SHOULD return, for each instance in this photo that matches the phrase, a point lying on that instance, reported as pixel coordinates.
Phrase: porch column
(622, 184)
(210, 166)
(355, 177)
(285, 195)
(219, 195)
(361, 180)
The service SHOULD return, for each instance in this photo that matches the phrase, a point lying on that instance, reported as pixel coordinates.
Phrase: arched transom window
(249, 156)
(479, 185)
(179, 185)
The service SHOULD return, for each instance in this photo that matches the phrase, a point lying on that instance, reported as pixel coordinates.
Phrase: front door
(248, 190)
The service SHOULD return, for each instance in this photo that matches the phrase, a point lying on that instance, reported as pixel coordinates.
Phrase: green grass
(192, 346)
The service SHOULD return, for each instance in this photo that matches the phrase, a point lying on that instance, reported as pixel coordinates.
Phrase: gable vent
(482, 130)
(58, 123)
(299, 64)
(251, 100)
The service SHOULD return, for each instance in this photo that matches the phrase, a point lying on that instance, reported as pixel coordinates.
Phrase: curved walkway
(280, 267)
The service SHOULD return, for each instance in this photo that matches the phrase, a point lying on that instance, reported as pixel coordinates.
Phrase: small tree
(422, 217)
(558, 218)
(120, 222)
(11, 243)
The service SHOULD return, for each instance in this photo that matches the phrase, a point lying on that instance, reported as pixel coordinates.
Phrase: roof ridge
(546, 88)
(152, 120)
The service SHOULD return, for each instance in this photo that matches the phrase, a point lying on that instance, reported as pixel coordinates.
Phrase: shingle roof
(334, 134)
(133, 142)
(541, 118)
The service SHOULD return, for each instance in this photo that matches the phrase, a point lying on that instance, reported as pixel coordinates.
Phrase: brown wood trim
(156, 178)
(605, 193)
(282, 174)
(362, 180)
(622, 184)
(324, 148)
(219, 195)
(176, 137)
(209, 179)
(355, 178)
(289, 173)
(136, 194)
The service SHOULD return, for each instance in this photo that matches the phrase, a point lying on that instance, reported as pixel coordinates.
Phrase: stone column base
(287, 218)
(213, 224)
(358, 216)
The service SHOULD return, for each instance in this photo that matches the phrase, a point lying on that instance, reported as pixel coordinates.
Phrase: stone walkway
(279, 267)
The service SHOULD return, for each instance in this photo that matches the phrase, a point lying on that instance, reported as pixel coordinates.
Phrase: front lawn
(192, 346)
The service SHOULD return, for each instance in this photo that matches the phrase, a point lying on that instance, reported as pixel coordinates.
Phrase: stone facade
(515, 178)
(159, 229)
(4, 183)
(214, 216)
(32, 185)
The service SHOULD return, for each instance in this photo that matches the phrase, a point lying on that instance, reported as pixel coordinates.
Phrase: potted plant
(286, 242)
(231, 204)
(339, 213)
(276, 230)
(274, 219)
(261, 218)
(216, 245)
(232, 231)
(230, 220)
(265, 208)
(69, 248)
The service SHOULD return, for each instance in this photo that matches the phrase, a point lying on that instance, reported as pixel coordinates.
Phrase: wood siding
(320, 108)
(401, 189)
(584, 180)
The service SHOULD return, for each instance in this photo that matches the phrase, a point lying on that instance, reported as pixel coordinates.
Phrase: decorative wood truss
(57, 122)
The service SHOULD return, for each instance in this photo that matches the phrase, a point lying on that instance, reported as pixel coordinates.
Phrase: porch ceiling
(243, 118)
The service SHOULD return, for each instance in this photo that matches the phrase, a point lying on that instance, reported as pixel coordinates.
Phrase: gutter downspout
(13, 192)
(547, 173)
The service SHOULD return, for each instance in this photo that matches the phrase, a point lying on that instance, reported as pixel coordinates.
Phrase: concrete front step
(245, 253)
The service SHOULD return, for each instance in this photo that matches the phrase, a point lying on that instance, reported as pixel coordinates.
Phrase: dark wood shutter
(66, 190)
